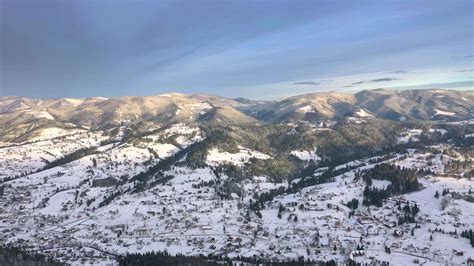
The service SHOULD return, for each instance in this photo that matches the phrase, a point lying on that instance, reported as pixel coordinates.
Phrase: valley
(342, 180)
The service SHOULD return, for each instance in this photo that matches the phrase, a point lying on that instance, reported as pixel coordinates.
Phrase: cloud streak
(375, 81)
(400, 72)
(312, 83)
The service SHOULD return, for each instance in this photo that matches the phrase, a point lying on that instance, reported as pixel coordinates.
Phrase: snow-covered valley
(89, 210)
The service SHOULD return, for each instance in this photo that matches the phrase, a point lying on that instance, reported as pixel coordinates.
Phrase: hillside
(19, 115)
(323, 177)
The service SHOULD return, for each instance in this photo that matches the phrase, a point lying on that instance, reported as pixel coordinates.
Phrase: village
(60, 212)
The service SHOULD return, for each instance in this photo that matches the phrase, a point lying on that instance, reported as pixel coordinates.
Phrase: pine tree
(415, 210)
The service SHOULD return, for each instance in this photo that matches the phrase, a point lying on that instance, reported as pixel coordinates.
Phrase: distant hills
(20, 115)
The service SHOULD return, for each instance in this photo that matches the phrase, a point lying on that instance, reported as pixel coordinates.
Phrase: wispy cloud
(441, 85)
(466, 70)
(326, 81)
(383, 80)
(400, 72)
(313, 83)
(375, 81)
(463, 56)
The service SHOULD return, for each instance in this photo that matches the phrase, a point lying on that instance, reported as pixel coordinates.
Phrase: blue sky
(256, 49)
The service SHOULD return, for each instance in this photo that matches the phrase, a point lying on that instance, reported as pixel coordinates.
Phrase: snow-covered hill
(357, 189)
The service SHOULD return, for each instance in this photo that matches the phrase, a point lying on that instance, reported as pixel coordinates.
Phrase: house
(357, 253)
(397, 233)
(142, 231)
(118, 228)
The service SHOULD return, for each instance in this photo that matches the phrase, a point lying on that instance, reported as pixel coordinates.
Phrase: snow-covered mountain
(320, 177)
(18, 114)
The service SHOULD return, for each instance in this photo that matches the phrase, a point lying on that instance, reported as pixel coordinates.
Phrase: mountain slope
(19, 115)
(418, 104)
(387, 104)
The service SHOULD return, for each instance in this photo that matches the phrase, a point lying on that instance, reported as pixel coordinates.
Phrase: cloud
(375, 80)
(462, 56)
(466, 70)
(445, 85)
(400, 71)
(242, 46)
(326, 81)
(313, 83)
(383, 80)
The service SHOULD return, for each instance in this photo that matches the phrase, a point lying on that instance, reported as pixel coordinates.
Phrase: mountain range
(21, 116)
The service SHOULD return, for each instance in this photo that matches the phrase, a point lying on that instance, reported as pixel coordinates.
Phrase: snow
(410, 135)
(426, 161)
(462, 123)
(180, 129)
(201, 107)
(22, 106)
(30, 156)
(306, 109)
(440, 130)
(54, 132)
(163, 150)
(446, 113)
(306, 155)
(216, 157)
(40, 114)
(74, 102)
(363, 113)
(355, 120)
(184, 213)
(380, 184)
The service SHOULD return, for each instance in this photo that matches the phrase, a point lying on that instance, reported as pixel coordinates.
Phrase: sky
(255, 49)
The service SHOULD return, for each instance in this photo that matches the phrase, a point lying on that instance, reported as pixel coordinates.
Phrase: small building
(142, 231)
(397, 233)
(118, 228)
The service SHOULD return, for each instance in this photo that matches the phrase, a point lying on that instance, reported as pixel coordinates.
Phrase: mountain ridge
(19, 114)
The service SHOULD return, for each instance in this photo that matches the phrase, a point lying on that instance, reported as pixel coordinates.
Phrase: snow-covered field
(19, 159)
(411, 135)
(216, 157)
(306, 155)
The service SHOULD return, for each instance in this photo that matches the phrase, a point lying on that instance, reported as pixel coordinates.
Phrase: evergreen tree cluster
(469, 235)
(76, 155)
(15, 256)
(403, 180)
(353, 204)
(164, 258)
